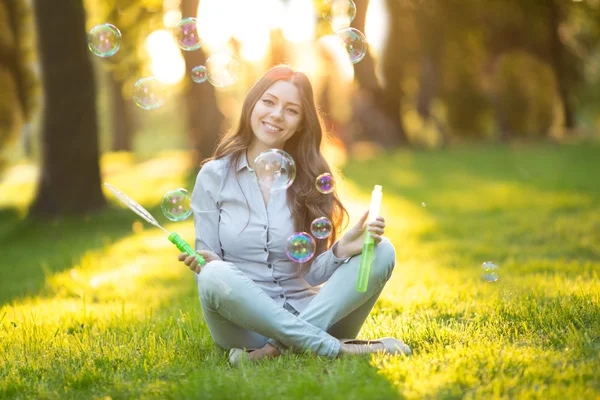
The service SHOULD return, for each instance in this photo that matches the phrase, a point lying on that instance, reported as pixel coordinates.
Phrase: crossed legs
(239, 314)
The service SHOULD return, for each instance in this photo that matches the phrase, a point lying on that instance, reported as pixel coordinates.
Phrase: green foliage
(136, 19)
(114, 314)
(467, 104)
(526, 93)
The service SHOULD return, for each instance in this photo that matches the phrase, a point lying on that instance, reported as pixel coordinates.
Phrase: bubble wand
(174, 238)
(369, 244)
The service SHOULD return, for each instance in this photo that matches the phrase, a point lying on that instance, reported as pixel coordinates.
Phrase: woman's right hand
(192, 262)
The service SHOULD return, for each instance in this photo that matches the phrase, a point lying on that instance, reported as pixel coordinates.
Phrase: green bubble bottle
(366, 256)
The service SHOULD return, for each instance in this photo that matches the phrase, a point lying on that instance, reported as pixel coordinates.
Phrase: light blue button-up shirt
(231, 220)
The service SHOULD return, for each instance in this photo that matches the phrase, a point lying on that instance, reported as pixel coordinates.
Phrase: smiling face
(276, 116)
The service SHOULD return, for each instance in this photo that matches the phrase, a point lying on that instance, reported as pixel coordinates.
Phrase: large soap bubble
(149, 93)
(355, 43)
(104, 40)
(186, 34)
(223, 69)
(300, 247)
(177, 204)
(275, 169)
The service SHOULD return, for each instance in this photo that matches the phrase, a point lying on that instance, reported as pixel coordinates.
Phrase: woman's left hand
(351, 243)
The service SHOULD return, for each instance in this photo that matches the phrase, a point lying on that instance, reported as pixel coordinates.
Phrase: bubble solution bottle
(369, 244)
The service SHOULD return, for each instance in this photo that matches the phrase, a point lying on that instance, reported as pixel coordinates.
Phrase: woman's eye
(267, 101)
(292, 111)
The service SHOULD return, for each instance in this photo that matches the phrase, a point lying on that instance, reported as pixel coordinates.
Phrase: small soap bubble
(275, 169)
(490, 269)
(199, 74)
(104, 40)
(177, 204)
(149, 93)
(186, 34)
(321, 228)
(223, 69)
(339, 12)
(300, 247)
(423, 204)
(325, 183)
(355, 43)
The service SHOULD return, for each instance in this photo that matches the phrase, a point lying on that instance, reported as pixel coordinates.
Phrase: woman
(253, 297)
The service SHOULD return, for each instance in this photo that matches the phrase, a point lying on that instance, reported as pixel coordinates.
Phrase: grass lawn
(99, 307)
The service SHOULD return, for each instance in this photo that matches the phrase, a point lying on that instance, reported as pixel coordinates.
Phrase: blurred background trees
(437, 73)
(20, 85)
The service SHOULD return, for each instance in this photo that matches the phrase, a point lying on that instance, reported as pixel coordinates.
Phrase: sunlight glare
(167, 63)
(171, 18)
(298, 21)
(336, 50)
(214, 27)
(376, 26)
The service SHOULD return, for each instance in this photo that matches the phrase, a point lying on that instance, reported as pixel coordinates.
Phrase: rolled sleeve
(205, 206)
(324, 266)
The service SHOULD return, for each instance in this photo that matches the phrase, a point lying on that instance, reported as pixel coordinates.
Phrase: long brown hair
(305, 201)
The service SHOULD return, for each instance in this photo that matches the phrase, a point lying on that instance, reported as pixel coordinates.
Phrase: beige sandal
(236, 355)
(390, 346)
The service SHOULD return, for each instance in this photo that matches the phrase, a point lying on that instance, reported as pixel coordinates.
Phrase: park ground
(99, 307)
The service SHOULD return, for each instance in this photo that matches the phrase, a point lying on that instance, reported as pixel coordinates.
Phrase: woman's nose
(277, 114)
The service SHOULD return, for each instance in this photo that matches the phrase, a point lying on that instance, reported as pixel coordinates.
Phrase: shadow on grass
(33, 249)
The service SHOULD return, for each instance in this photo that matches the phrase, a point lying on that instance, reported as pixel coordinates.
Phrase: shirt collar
(243, 163)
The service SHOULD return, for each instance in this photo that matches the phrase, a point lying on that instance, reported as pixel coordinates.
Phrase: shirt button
(270, 265)
(265, 249)
(281, 296)
(265, 227)
(274, 281)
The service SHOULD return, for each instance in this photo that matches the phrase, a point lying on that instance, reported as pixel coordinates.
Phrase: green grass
(99, 306)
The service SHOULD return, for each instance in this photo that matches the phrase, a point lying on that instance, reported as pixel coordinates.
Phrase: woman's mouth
(270, 127)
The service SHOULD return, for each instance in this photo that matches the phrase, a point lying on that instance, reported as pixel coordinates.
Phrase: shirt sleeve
(324, 266)
(205, 206)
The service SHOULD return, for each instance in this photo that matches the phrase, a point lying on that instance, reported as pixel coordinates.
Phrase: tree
(559, 59)
(378, 108)
(70, 173)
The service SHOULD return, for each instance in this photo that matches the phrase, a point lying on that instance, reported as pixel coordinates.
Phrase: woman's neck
(253, 151)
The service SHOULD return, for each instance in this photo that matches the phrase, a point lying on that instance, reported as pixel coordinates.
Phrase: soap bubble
(339, 12)
(275, 169)
(321, 228)
(186, 34)
(300, 247)
(177, 204)
(223, 69)
(325, 183)
(149, 93)
(104, 40)
(490, 271)
(423, 204)
(199, 74)
(355, 43)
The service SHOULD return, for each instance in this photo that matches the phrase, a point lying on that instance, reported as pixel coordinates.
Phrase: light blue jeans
(240, 314)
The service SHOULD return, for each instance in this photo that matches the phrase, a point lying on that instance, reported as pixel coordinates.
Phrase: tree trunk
(123, 125)
(430, 66)
(559, 64)
(205, 120)
(377, 111)
(70, 174)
